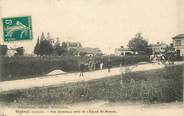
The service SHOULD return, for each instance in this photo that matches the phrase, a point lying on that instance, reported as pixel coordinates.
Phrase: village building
(90, 51)
(178, 43)
(159, 47)
(73, 45)
(11, 52)
(123, 51)
(5, 51)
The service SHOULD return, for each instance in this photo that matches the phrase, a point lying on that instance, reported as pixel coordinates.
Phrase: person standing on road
(81, 68)
(109, 65)
(101, 65)
(94, 65)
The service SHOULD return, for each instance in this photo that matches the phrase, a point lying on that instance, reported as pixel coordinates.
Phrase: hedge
(13, 68)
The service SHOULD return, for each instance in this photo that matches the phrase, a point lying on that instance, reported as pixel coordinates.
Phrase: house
(122, 51)
(90, 51)
(73, 45)
(11, 52)
(159, 47)
(178, 43)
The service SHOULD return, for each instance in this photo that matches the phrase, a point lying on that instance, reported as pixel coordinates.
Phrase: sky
(106, 24)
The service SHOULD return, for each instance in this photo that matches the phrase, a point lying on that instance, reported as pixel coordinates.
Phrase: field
(13, 68)
(155, 86)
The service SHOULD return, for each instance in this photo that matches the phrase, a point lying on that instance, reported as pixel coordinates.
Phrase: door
(178, 52)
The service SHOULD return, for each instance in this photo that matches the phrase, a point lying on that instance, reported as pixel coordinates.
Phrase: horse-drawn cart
(163, 58)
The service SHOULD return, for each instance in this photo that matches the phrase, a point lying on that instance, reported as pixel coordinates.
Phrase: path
(6, 86)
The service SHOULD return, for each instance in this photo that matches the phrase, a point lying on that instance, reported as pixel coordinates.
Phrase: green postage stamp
(17, 28)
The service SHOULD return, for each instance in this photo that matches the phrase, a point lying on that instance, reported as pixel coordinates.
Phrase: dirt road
(72, 77)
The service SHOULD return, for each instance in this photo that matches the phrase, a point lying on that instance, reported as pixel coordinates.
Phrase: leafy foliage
(138, 44)
(3, 49)
(45, 47)
(37, 47)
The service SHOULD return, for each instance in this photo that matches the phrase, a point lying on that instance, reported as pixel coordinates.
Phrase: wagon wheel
(171, 58)
(163, 59)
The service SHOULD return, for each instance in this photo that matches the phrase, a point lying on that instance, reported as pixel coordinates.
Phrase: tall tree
(82, 54)
(138, 44)
(57, 48)
(37, 47)
(57, 43)
(42, 37)
(45, 48)
(64, 45)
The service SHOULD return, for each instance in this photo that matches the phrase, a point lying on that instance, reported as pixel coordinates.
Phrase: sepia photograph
(91, 57)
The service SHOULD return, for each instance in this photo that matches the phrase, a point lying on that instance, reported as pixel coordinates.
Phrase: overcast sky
(106, 24)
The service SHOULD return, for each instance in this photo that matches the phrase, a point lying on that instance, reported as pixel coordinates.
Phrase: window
(178, 42)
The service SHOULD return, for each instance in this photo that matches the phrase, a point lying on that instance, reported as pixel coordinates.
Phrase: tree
(82, 54)
(60, 50)
(57, 44)
(45, 48)
(138, 44)
(149, 50)
(37, 47)
(64, 45)
(73, 51)
(42, 37)
(3, 49)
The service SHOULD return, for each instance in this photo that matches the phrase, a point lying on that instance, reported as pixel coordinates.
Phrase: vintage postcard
(91, 57)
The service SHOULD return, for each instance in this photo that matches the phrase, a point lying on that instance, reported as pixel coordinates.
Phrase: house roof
(179, 36)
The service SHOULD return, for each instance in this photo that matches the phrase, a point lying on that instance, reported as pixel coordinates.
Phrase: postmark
(17, 28)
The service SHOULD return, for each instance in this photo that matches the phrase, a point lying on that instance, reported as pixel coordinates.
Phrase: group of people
(93, 65)
(159, 58)
(162, 58)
